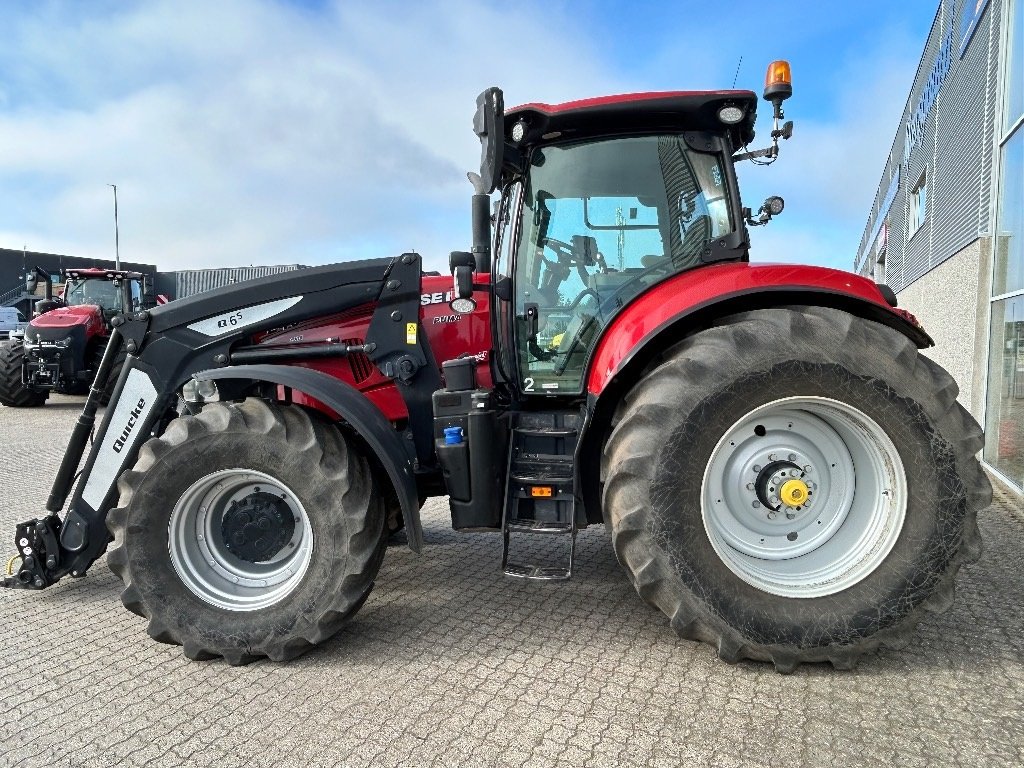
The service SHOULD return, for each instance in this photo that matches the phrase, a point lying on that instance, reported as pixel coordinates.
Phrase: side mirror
(489, 126)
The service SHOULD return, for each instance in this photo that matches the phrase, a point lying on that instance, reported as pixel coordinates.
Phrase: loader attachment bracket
(36, 544)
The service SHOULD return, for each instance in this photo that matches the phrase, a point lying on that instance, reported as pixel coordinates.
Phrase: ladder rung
(542, 479)
(539, 526)
(546, 431)
(537, 572)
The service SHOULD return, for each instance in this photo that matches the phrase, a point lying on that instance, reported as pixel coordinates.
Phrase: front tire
(817, 401)
(13, 392)
(249, 530)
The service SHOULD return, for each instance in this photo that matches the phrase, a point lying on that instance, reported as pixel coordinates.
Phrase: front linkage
(37, 542)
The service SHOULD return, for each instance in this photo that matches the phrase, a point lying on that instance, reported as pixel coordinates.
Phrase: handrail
(15, 293)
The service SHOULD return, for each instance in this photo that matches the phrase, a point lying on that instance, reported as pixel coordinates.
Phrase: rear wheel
(249, 530)
(795, 485)
(13, 393)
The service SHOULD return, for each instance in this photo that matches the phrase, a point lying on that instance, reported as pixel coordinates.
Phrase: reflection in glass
(603, 221)
(1004, 433)
(1009, 242)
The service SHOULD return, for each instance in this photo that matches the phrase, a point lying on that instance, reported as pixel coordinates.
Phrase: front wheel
(795, 485)
(13, 392)
(249, 530)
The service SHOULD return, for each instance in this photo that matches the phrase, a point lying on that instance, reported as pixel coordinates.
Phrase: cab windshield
(105, 294)
(602, 221)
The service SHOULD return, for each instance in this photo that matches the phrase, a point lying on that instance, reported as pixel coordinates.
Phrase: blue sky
(264, 132)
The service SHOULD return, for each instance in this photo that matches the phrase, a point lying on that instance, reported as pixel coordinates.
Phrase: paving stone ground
(448, 663)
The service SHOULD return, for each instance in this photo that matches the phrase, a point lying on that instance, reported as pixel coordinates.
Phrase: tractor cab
(600, 203)
(602, 199)
(113, 291)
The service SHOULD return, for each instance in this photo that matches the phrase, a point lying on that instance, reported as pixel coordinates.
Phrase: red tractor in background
(783, 474)
(63, 344)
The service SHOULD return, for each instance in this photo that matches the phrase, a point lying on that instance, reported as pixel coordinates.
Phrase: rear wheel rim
(203, 558)
(804, 497)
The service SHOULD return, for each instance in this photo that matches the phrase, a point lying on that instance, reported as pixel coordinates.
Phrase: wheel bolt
(771, 515)
(771, 457)
(757, 504)
(792, 457)
(790, 515)
(757, 467)
(807, 467)
(750, 486)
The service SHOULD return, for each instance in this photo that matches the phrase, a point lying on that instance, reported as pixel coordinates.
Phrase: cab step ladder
(540, 498)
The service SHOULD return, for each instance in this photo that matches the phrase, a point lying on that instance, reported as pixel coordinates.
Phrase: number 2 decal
(528, 384)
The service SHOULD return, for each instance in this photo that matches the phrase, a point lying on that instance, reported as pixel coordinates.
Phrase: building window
(1015, 67)
(1004, 412)
(918, 205)
(1004, 432)
(1009, 235)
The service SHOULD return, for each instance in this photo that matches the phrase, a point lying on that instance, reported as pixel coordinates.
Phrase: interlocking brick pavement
(448, 663)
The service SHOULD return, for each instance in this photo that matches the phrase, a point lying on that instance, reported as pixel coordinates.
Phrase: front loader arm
(170, 345)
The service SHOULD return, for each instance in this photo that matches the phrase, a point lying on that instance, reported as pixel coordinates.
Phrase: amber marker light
(778, 82)
(541, 491)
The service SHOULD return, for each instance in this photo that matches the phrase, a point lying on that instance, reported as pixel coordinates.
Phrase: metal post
(117, 244)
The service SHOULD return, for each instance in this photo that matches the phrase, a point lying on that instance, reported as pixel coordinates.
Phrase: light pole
(117, 243)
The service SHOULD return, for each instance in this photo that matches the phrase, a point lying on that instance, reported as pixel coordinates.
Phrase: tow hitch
(36, 542)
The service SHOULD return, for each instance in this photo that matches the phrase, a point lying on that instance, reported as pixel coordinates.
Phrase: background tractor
(782, 472)
(64, 342)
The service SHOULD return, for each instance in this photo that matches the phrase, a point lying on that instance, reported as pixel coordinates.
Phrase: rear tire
(216, 599)
(687, 436)
(13, 393)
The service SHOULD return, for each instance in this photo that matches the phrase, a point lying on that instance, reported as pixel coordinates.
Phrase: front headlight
(200, 391)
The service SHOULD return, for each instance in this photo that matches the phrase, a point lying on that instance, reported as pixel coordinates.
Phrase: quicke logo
(133, 418)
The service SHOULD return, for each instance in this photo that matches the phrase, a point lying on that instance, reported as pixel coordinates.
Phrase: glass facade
(1004, 428)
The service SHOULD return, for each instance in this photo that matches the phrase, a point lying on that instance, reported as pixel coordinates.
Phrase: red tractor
(65, 341)
(781, 470)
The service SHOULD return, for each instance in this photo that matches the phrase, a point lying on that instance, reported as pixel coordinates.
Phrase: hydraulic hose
(83, 427)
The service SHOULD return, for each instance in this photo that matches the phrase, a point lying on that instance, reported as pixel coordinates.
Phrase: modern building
(946, 229)
(187, 282)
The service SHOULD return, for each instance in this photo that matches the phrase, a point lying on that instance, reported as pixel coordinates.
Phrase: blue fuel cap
(452, 435)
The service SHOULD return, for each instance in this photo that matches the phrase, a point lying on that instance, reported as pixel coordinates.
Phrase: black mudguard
(394, 454)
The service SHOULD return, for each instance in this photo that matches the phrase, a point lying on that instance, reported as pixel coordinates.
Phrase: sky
(275, 132)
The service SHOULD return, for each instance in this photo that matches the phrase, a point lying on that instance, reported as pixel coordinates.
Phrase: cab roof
(635, 113)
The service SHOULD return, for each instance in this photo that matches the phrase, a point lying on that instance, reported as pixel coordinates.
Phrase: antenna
(737, 75)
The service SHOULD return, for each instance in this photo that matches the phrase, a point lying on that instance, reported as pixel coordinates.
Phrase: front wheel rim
(804, 497)
(203, 558)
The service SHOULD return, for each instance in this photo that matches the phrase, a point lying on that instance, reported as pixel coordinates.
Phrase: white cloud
(260, 133)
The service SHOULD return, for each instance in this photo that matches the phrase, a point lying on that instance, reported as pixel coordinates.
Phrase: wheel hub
(794, 493)
(803, 496)
(257, 527)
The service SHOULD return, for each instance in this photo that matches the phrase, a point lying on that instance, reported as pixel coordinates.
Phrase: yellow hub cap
(793, 493)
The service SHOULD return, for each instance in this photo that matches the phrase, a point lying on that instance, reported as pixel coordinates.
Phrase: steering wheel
(567, 255)
(575, 331)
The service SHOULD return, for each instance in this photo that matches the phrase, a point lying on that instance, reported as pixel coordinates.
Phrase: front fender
(359, 413)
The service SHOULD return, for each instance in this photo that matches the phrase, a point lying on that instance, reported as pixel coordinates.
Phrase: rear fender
(393, 454)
